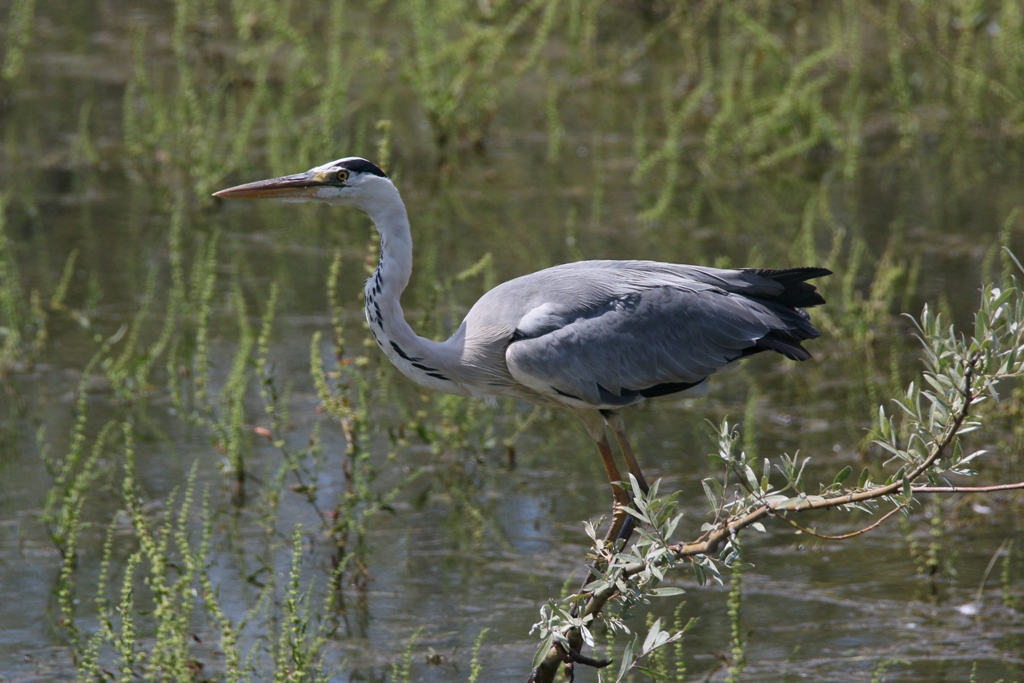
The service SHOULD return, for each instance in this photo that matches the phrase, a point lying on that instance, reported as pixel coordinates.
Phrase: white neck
(422, 360)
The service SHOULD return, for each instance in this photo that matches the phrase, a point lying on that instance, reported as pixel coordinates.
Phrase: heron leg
(622, 498)
(595, 426)
(618, 426)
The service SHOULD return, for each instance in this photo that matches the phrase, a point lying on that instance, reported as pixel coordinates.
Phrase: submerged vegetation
(235, 442)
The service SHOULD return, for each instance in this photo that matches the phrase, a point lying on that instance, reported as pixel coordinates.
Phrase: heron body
(592, 336)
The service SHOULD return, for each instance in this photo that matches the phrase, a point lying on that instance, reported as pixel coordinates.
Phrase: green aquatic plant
(20, 26)
(457, 57)
(346, 395)
(1010, 600)
(475, 665)
(934, 561)
(19, 316)
(24, 319)
(668, 664)
(186, 132)
(346, 525)
(185, 336)
(285, 91)
(151, 605)
(401, 670)
(739, 645)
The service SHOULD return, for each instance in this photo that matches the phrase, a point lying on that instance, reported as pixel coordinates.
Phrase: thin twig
(841, 537)
(968, 489)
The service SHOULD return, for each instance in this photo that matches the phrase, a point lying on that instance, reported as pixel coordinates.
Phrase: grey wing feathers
(787, 286)
(663, 338)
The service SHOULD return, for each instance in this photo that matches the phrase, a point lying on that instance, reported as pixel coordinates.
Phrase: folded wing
(661, 339)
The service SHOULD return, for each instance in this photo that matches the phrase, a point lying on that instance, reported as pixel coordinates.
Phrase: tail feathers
(786, 342)
(797, 292)
(796, 295)
(790, 348)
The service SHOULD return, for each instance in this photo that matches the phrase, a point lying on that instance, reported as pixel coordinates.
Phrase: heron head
(347, 182)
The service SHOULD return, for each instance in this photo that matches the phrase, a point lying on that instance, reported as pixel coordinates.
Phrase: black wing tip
(803, 272)
(797, 291)
(791, 276)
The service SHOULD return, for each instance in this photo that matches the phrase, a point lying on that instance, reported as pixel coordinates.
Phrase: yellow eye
(342, 176)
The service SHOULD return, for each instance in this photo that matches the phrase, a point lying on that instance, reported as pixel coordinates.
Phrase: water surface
(481, 539)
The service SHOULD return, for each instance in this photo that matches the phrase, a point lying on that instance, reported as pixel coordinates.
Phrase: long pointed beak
(297, 185)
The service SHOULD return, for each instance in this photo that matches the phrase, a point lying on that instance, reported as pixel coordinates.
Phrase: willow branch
(712, 540)
(716, 538)
(556, 655)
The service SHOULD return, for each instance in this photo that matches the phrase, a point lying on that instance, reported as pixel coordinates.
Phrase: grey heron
(590, 336)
